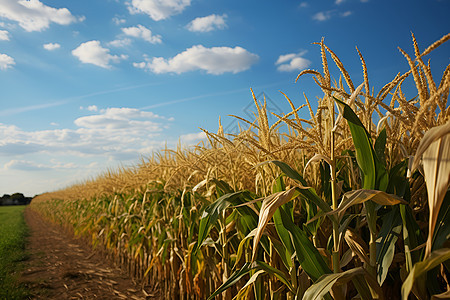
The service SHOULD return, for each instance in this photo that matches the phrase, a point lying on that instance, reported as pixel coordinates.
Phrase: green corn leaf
(325, 283)
(421, 268)
(375, 175)
(246, 268)
(380, 146)
(387, 237)
(307, 193)
(244, 244)
(211, 214)
(442, 230)
(363, 145)
(233, 279)
(309, 257)
(361, 196)
(412, 237)
(283, 233)
(259, 265)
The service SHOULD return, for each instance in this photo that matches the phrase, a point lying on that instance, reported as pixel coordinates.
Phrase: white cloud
(93, 53)
(215, 60)
(51, 46)
(120, 42)
(322, 16)
(92, 108)
(119, 21)
(346, 13)
(292, 62)
(142, 32)
(158, 9)
(208, 23)
(337, 2)
(25, 165)
(4, 35)
(33, 15)
(191, 138)
(6, 62)
(303, 4)
(117, 133)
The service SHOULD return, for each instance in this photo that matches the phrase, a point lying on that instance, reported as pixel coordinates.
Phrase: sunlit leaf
(357, 245)
(269, 205)
(436, 258)
(325, 283)
(434, 150)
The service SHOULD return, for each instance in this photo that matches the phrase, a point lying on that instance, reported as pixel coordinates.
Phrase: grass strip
(13, 233)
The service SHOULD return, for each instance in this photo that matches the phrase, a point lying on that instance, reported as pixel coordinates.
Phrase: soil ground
(63, 267)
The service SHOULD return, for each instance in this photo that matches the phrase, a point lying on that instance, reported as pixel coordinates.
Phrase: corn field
(337, 206)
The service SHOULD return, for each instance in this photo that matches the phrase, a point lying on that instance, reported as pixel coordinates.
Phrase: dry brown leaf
(356, 244)
(269, 205)
(434, 150)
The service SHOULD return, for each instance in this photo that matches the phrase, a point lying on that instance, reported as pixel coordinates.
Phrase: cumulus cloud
(25, 165)
(158, 9)
(93, 53)
(120, 42)
(322, 16)
(6, 62)
(208, 23)
(142, 32)
(292, 62)
(191, 138)
(120, 118)
(119, 21)
(4, 35)
(346, 13)
(51, 46)
(337, 2)
(215, 60)
(33, 15)
(117, 133)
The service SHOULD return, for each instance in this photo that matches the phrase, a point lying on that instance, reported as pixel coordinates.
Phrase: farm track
(62, 267)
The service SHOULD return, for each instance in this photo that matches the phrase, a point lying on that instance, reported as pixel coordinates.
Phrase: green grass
(13, 232)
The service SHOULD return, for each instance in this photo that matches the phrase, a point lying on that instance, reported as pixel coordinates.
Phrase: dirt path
(61, 267)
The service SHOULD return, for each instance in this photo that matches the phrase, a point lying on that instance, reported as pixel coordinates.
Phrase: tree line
(15, 199)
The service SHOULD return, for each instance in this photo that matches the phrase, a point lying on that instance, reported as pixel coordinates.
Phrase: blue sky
(91, 85)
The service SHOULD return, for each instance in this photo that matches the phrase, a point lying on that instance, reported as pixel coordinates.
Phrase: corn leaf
(436, 258)
(307, 193)
(375, 175)
(442, 230)
(412, 237)
(363, 145)
(387, 237)
(360, 196)
(309, 257)
(288, 249)
(211, 214)
(325, 283)
(434, 150)
(357, 245)
(233, 279)
(269, 205)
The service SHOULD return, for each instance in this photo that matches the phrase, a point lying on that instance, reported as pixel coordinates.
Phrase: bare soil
(63, 267)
